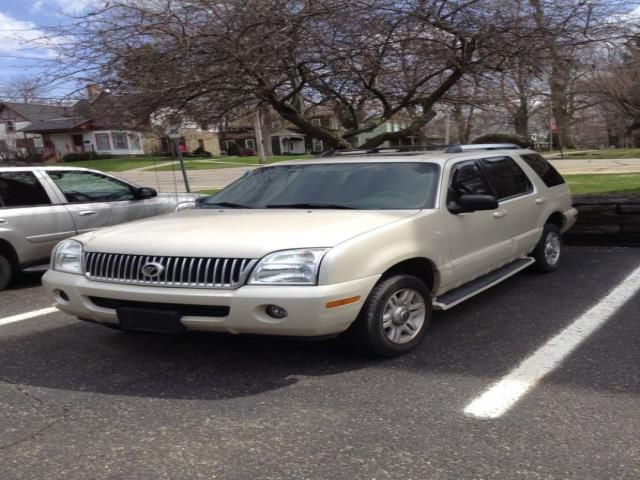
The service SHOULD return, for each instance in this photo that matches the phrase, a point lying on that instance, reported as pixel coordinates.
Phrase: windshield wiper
(223, 204)
(310, 205)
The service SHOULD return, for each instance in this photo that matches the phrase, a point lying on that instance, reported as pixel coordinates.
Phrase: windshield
(364, 186)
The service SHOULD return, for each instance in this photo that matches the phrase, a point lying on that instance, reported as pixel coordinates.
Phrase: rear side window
(507, 177)
(544, 169)
(21, 189)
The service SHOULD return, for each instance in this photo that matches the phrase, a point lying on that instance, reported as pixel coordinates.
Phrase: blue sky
(23, 53)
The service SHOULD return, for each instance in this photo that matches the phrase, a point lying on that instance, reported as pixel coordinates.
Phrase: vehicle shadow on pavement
(484, 338)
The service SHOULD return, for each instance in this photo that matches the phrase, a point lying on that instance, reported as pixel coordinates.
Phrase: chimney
(93, 89)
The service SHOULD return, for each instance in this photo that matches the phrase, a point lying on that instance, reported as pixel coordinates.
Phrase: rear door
(517, 198)
(478, 241)
(96, 200)
(30, 218)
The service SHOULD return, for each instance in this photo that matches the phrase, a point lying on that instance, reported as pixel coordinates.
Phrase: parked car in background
(39, 206)
(366, 244)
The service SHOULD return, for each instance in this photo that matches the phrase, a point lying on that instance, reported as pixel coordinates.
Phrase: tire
(401, 330)
(6, 272)
(548, 252)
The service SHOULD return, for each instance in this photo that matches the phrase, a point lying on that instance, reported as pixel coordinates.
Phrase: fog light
(275, 311)
(61, 294)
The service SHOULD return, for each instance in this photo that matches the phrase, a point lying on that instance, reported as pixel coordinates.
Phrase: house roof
(35, 112)
(55, 125)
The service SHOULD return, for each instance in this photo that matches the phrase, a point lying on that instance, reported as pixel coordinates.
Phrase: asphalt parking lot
(79, 401)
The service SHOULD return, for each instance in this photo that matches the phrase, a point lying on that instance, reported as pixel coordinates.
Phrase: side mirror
(146, 192)
(473, 203)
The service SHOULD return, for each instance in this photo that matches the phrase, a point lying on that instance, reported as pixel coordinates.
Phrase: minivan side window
(544, 169)
(507, 177)
(21, 189)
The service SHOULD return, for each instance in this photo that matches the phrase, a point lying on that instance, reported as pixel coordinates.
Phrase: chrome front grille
(194, 272)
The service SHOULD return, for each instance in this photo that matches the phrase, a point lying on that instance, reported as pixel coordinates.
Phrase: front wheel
(548, 252)
(395, 317)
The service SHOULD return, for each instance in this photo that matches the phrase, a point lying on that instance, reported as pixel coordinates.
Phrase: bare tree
(23, 89)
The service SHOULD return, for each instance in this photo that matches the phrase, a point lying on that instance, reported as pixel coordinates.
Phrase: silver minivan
(39, 206)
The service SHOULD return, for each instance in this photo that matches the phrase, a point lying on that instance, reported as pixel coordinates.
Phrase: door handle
(84, 213)
(500, 213)
(540, 201)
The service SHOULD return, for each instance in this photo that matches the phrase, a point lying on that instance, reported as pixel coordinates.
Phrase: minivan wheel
(548, 252)
(394, 318)
(6, 272)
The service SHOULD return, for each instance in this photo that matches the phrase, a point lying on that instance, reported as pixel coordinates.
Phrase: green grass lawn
(119, 164)
(209, 192)
(605, 183)
(605, 153)
(226, 162)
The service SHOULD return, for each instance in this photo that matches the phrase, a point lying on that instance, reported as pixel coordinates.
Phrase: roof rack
(481, 146)
(415, 149)
(418, 149)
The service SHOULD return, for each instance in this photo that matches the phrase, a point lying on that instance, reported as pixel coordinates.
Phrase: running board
(470, 289)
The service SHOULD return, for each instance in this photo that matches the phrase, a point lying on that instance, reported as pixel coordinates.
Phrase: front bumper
(306, 306)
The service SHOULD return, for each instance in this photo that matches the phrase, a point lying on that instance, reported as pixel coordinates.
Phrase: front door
(96, 200)
(78, 143)
(479, 241)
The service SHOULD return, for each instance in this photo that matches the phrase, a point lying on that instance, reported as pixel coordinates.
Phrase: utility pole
(447, 128)
(175, 136)
(257, 127)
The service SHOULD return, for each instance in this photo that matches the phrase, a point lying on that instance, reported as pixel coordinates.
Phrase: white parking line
(500, 397)
(27, 315)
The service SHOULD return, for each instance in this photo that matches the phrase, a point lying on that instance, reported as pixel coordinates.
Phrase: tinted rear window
(544, 169)
(21, 189)
(507, 177)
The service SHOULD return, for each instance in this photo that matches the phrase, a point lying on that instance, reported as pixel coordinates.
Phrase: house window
(250, 144)
(317, 145)
(276, 124)
(316, 122)
(134, 141)
(102, 141)
(10, 126)
(119, 141)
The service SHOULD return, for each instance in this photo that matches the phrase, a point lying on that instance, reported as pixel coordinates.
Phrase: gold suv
(365, 244)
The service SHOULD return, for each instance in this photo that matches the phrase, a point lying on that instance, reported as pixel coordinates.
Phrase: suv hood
(237, 233)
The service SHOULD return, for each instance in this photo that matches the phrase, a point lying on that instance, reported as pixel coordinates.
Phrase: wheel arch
(557, 219)
(8, 251)
(420, 267)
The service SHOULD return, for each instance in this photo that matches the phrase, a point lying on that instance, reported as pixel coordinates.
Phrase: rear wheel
(548, 252)
(6, 271)
(395, 317)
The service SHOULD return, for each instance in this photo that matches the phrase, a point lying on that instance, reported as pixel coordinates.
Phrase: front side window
(21, 189)
(82, 187)
(10, 126)
(544, 169)
(250, 144)
(119, 141)
(467, 179)
(507, 177)
(102, 141)
(364, 186)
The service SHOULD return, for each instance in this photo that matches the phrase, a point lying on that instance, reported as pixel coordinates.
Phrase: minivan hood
(241, 233)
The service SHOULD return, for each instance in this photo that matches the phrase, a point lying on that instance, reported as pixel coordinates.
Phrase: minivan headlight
(68, 257)
(289, 267)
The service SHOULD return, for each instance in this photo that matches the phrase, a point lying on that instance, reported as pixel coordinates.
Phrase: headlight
(289, 267)
(68, 257)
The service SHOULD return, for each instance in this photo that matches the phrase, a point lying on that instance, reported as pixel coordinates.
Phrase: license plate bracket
(150, 320)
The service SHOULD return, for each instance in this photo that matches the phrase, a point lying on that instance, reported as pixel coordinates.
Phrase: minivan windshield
(362, 186)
